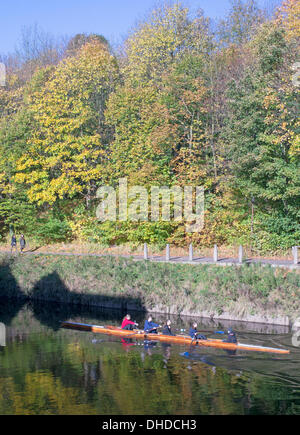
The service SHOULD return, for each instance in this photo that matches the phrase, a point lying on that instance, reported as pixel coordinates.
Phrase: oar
(153, 329)
(193, 339)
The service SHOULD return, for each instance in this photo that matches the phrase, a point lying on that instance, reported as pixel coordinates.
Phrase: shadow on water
(53, 302)
(51, 314)
(49, 290)
(9, 309)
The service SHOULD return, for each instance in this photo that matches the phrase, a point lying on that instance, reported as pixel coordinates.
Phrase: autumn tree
(261, 131)
(66, 150)
(161, 41)
(241, 23)
(80, 39)
(288, 16)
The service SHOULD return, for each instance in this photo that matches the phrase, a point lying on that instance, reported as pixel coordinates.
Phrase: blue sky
(111, 18)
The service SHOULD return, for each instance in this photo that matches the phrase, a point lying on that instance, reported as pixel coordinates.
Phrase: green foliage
(65, 147)
(16, 213)
(111, 233)
(181, 106)
(259, 132)
(51, 230)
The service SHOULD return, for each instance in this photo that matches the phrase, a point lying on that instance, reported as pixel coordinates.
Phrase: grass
(161, 287)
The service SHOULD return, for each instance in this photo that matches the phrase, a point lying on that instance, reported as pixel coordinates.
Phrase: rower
(127, 324)
(167, 329)
(231, 338)
(150, 327)
(196, 335)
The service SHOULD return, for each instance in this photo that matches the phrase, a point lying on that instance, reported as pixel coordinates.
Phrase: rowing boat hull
(178, 339)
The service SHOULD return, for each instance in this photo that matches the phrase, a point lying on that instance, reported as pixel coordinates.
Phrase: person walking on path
(22, 243)
(13, 244)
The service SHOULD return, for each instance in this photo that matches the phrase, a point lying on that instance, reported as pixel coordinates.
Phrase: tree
(15, 209)
(261, 130)
(142, 147)
(288, 17)
(161, 41)
(67, 148)
(241, 23)
(80, 39)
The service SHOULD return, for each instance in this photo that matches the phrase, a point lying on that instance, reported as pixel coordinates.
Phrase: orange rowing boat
(177, 339)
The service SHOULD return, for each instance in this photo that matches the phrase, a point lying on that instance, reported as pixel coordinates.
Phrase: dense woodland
(184, 101)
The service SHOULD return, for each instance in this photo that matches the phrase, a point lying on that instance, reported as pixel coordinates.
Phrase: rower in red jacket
(127, 324)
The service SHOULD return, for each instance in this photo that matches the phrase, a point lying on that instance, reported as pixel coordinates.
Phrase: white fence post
(191, 253)
(241, 254)
(168, 253)
(215, 253)
(295, 255)
(146, 251)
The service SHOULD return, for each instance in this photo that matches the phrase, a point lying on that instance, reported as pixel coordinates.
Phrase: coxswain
(231, 337)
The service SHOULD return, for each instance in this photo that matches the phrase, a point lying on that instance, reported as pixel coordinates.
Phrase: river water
(45, 369)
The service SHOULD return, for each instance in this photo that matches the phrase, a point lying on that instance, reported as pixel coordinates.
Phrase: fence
(240, 259)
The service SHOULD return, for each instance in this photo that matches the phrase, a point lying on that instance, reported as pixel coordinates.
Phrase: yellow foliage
(43, 394)
(289, 17)
(65, 148)
(157, 43)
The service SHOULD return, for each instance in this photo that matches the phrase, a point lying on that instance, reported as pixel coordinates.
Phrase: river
(45, 369)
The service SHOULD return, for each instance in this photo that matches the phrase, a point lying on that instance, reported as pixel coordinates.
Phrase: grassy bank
(246, 292)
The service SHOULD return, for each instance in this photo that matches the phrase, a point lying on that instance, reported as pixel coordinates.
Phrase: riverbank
(249, 293)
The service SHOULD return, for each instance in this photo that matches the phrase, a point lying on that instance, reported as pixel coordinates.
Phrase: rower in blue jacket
(195, 334)
(151, 327)
(167, 329)
(231, 338)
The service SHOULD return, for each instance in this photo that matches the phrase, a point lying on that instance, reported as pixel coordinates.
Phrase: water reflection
(48, 370)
